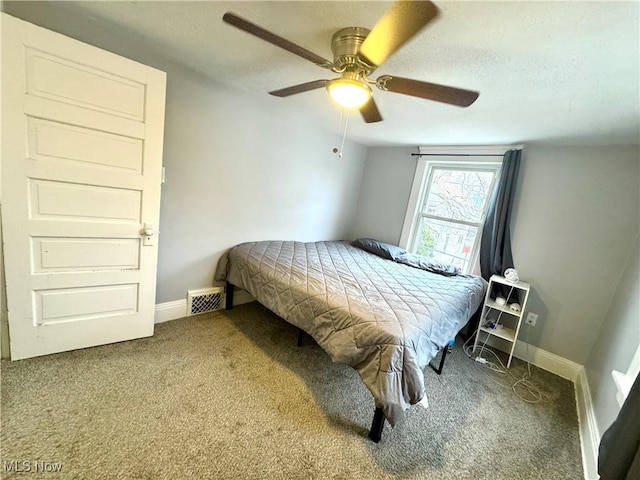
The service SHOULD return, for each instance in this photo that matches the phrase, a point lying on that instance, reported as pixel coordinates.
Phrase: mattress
(385, 319)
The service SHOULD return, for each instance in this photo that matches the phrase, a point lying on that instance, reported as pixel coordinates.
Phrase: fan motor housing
(345, 45)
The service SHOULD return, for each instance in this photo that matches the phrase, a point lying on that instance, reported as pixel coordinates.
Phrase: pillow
(381, 249)
(428, 264)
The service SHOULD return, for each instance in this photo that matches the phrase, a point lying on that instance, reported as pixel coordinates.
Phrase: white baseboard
(170, 311)
(178, 308)
(589, 435)
(540, 358)
(548, 361)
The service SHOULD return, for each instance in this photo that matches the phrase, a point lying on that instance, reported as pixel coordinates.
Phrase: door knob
(148, 232)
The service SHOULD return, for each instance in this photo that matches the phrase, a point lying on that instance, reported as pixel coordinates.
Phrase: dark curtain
(495, 243)
(619, 453)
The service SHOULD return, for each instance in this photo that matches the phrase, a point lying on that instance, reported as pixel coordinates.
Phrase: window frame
(451, 158)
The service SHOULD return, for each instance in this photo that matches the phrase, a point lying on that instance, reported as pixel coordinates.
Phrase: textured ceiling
(551, 72)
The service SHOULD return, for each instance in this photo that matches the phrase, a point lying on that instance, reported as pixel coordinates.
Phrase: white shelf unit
(506, 320)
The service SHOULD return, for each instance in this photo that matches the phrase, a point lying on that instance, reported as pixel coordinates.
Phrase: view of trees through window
(452, 214)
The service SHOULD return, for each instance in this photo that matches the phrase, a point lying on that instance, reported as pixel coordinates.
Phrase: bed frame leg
(438, 369)
(301, 334)
(375, 434)
(228, 303)
(445, 350)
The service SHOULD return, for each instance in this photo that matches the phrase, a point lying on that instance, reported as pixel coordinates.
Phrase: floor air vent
(204, 300)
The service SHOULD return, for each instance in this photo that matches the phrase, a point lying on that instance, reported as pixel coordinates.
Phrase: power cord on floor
(531, 392)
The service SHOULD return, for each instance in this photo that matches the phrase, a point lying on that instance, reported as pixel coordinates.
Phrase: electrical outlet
(531, 319)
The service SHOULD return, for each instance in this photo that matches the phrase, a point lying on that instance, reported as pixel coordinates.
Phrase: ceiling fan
(358, 52)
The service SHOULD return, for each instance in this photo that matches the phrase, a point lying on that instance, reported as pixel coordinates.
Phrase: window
(448, 203)
(453, 210)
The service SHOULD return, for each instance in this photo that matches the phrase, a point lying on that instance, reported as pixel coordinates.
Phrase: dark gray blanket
(385, 319)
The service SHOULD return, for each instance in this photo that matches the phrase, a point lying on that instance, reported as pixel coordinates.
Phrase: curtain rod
(456, 155)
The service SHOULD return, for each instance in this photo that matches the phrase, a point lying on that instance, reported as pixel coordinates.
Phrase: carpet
(228, 395)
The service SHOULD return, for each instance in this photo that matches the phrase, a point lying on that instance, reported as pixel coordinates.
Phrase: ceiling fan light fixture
(349, 93)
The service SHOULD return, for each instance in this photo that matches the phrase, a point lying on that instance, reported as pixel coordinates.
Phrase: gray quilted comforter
(385, 319)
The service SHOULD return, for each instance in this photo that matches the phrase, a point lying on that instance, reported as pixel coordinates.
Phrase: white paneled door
(82, 134)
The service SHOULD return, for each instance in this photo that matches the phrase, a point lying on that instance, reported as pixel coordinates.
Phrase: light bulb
(349, 93)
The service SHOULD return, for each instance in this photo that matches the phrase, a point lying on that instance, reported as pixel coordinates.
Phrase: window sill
(623, 384)
(624, 381)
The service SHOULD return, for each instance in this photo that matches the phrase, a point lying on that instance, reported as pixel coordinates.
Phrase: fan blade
(303, 87)
(430, 91)
(274, 39)
(401, 22)
(370, 112)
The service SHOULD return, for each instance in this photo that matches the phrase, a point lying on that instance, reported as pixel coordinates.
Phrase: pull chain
(343, 113)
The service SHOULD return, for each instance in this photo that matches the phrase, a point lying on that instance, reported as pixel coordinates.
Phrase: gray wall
(238, 167)
(237, 172)
(575, 233)
(617, 340)
(384, 195)
(575, 221)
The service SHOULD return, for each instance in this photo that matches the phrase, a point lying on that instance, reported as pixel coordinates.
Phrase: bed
(386, 314)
